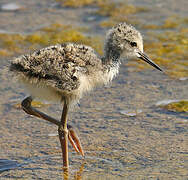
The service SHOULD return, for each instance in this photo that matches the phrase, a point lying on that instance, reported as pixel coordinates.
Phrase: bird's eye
(133, 44)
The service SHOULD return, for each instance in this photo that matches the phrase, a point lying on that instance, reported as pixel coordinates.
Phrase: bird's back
(60, 65)
(60, 71)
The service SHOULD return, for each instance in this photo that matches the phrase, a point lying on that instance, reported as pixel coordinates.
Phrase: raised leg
(26, 106)
(73, 138)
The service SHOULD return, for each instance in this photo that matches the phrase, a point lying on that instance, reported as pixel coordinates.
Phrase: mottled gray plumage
(68, 70)
(58, 65)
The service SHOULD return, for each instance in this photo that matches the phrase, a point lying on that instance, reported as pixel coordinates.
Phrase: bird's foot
(74, 140)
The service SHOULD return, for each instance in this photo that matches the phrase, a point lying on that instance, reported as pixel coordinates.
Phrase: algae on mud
(76, 4)
(9, 44)
(12, 44)
(118, 12)
(105, 7)
(115, 11)
(180, 106)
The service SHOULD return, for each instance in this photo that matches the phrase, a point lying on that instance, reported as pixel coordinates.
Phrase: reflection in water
(65, 173)
(27, 164)
(77, 175)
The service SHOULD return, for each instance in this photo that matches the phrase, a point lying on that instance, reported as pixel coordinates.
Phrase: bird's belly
(41, 91)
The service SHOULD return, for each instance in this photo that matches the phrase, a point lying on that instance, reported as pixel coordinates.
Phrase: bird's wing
(60, 65)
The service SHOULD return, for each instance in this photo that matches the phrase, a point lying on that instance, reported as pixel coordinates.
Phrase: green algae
(105, 7)
(9, 44)
(112, 21)
(171, 22)
(115, 11)
(180, 106)
(168, 23)
(56, 33)
(76, 3)
(118, 10)
(12, 44)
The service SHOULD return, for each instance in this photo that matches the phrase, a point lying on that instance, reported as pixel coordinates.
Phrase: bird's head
(125, 41)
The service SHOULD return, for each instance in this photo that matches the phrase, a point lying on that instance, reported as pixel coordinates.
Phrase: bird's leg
(73, 138)
(63, 135)
(26, 106)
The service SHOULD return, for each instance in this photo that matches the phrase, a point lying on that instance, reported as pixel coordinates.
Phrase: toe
(75, 141)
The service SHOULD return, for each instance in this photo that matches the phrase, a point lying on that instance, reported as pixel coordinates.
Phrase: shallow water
(150, 145)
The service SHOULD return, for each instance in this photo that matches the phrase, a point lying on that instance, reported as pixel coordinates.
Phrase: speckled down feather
(59, 65)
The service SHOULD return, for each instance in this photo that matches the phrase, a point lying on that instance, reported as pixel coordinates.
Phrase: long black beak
(149, 61)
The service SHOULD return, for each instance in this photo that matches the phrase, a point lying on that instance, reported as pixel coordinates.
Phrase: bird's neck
(111, 62)
(111, 56)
